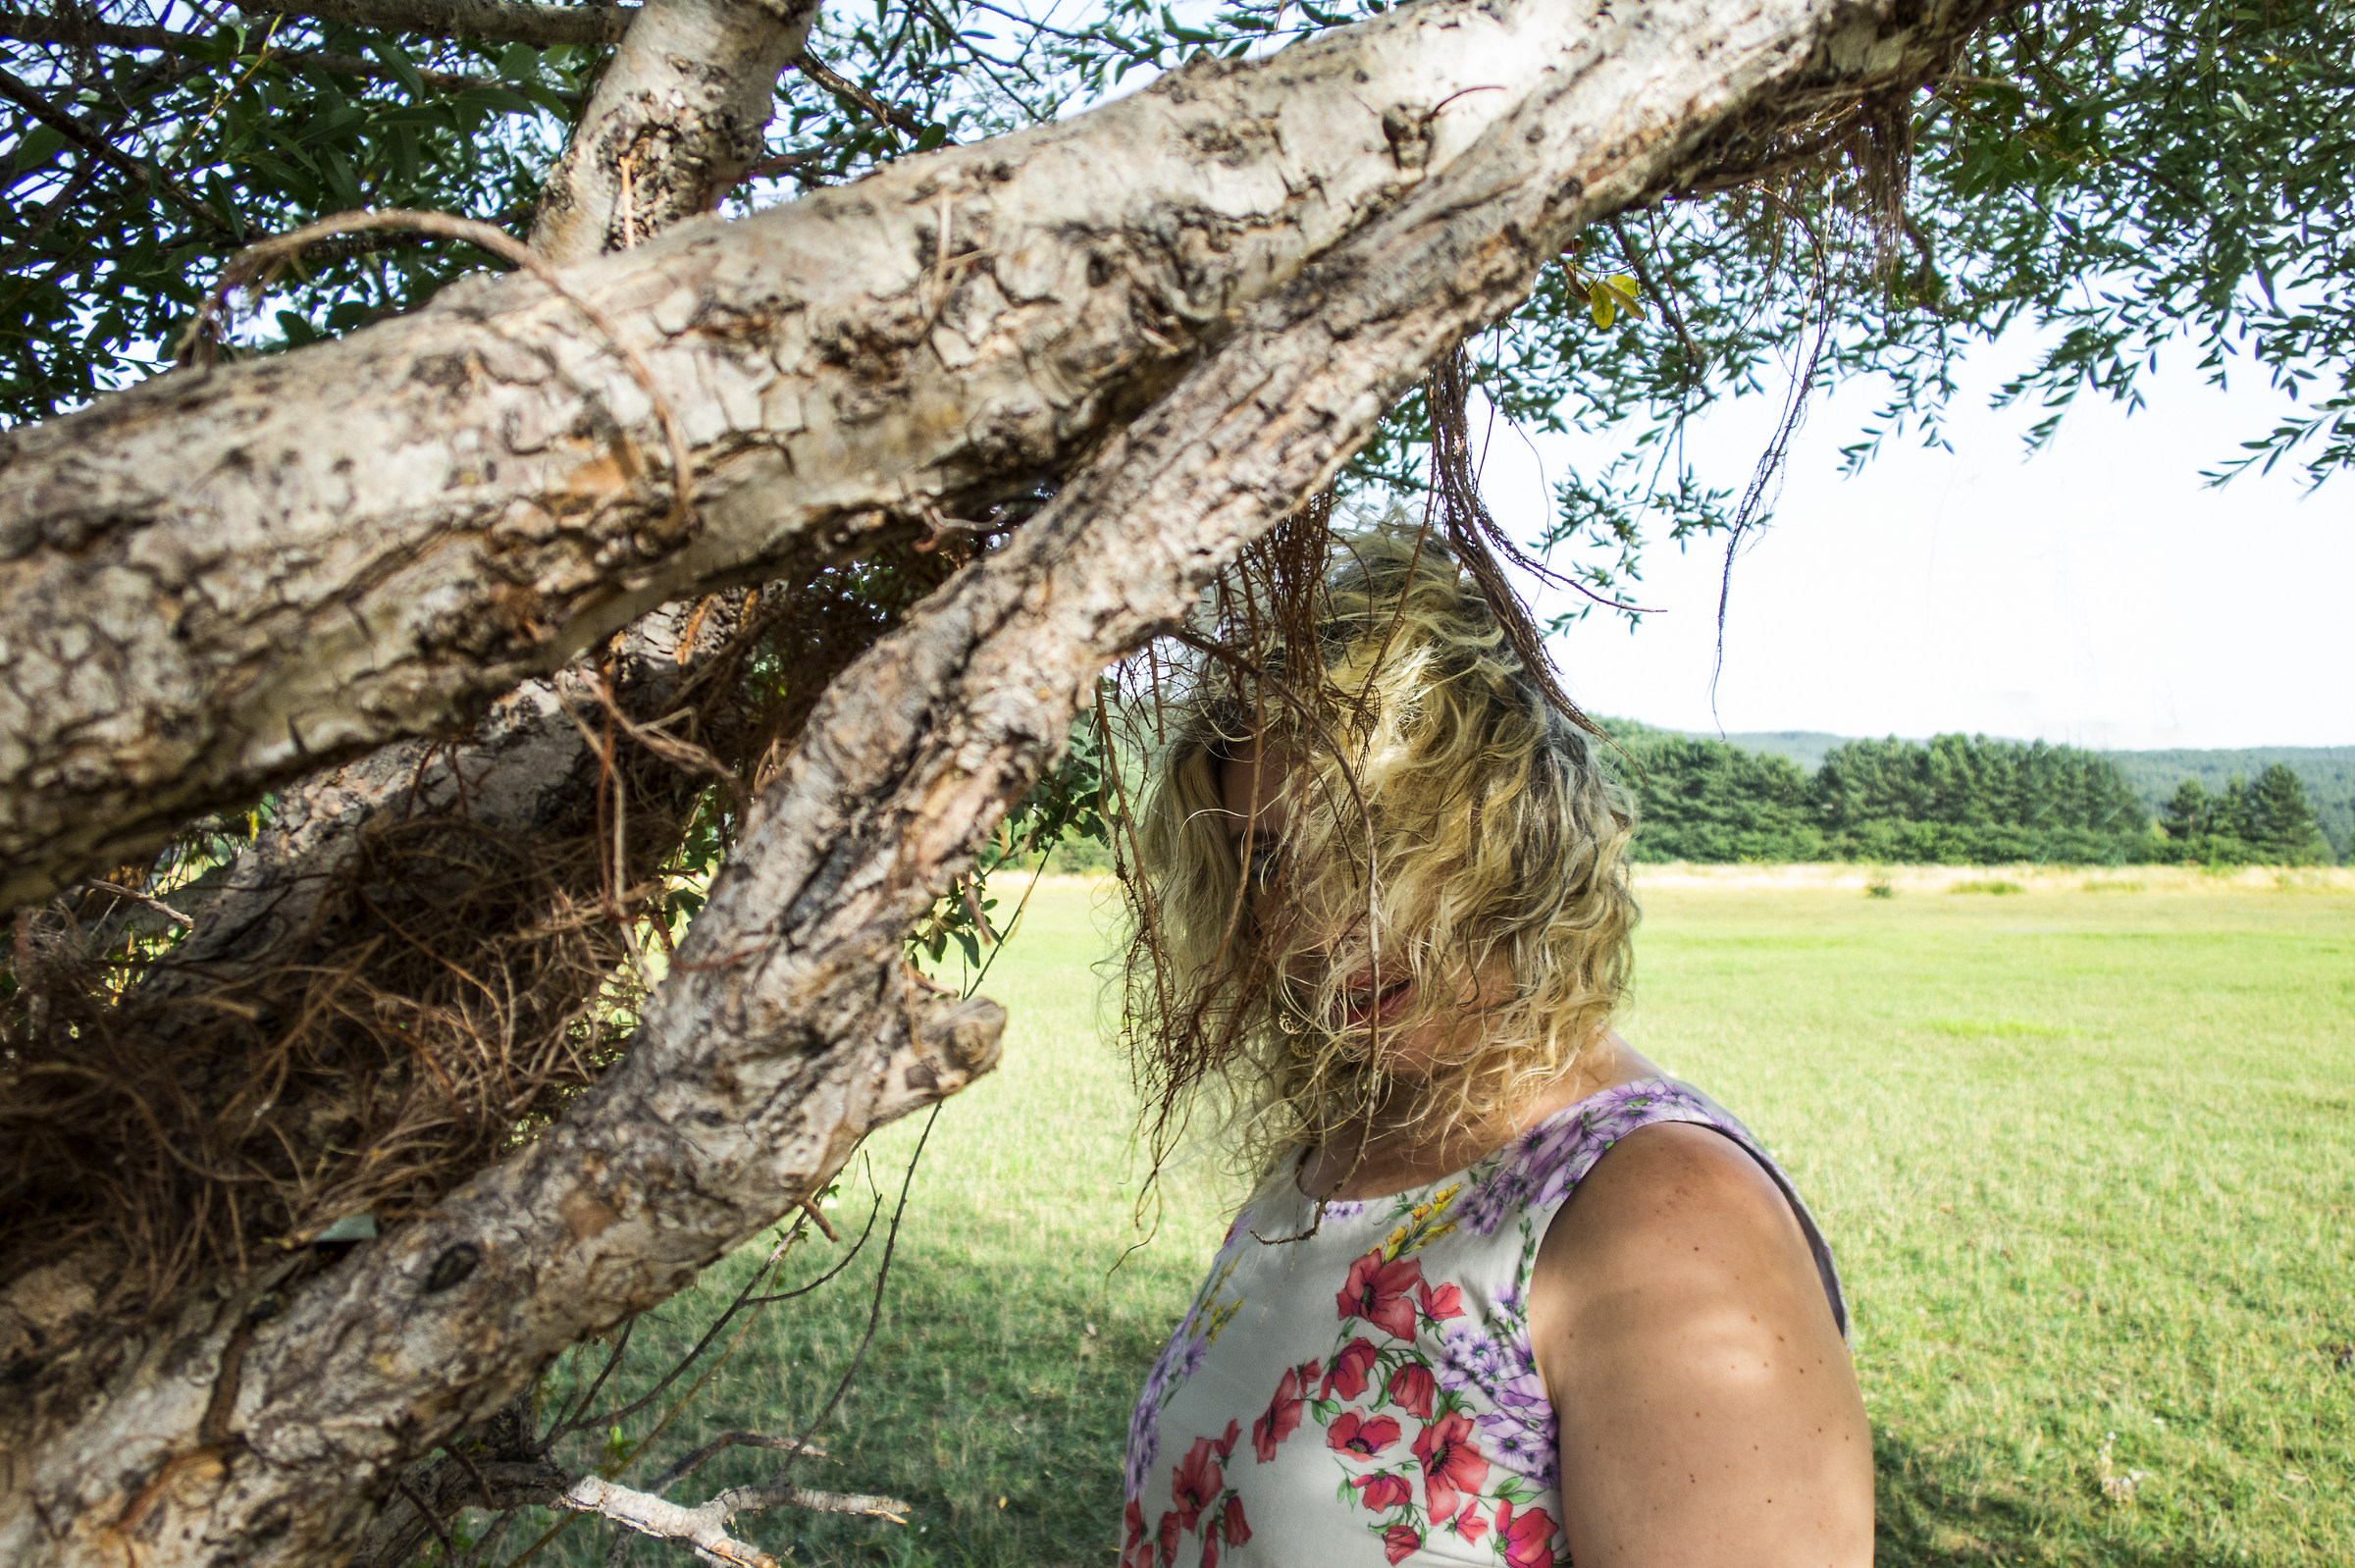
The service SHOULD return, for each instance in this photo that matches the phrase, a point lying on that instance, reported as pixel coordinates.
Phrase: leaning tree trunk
(440, 861)
(1256, 258)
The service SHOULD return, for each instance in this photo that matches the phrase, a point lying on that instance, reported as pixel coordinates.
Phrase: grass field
(2088, 1158)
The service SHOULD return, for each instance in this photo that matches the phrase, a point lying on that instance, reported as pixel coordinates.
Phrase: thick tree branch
(501, 21)
(220, 579)
(676, 120)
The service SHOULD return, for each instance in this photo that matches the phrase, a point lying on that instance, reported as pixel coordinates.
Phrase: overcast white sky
(2096, 592)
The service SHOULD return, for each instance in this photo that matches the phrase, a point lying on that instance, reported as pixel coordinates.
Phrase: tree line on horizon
(1953, 800)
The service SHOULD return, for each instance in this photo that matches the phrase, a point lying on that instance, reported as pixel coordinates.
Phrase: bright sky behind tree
(2096, 592)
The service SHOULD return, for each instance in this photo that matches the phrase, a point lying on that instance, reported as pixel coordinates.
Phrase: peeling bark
(222, 579)
(791, 1024)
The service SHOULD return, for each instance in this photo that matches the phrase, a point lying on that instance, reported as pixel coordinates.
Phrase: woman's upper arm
(1708, 1411)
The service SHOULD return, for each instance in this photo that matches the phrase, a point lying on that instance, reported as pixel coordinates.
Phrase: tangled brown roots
(345, 1037)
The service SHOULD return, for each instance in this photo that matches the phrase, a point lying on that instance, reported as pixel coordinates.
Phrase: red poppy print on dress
(1348, 1375)
(1440, 1305)
(1282, 1420)
(1135, 1552)
(1451, 1466)
(1400, 1541)
(1169, 1540)
(1196, 1484)
(1469, 1523)
(1238, 1529)
(1384, 1492)
(1225, 1446)
(1412, 1389)
(1351, 1432)
(1376, 1291)
(1526, 1538)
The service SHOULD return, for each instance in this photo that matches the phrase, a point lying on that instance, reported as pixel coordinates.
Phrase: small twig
(575, 1421)
(22, 95)
(874, 1320)
(703, 1529)
(620, 1348)
(819, 1219)
(80, 32)
(693, 1462)
(858, 97)
(1635, 259)
(706, 1528)
(686, 754)
(137, 896)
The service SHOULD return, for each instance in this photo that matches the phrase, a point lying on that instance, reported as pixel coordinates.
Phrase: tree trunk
(676, 120)
(1365, 229)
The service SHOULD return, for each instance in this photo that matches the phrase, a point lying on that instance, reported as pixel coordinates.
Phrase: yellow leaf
(1603, 305)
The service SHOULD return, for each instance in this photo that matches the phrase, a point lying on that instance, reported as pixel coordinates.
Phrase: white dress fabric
(1356, 1387)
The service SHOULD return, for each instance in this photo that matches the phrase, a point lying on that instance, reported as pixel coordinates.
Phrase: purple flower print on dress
(1520, 1433)
(1606, 1119)
(1493, 1198)
(1179, 1360)
(1344, 1210)
(1537, 1169)
(1144, 1444)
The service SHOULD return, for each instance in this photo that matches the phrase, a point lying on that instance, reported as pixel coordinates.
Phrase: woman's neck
(1397, 1147)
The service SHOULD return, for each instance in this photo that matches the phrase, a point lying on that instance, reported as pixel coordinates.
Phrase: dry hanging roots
(162, 1121)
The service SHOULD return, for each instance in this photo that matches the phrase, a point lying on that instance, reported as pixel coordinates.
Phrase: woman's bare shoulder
(1708, 1413)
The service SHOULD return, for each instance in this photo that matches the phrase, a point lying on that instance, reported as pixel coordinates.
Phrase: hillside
(2327, 771)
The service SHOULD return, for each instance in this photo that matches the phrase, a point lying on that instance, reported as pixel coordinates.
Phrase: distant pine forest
(1967, 800)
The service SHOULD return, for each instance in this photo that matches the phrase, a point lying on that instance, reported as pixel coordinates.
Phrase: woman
(1506, 1293)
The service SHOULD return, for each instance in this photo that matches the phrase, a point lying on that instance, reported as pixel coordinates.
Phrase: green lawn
(2088, 1160)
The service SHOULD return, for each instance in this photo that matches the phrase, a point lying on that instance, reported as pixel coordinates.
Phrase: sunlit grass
(2089, 1161)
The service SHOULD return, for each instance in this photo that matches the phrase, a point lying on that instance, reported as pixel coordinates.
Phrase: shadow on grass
(1929, 1512)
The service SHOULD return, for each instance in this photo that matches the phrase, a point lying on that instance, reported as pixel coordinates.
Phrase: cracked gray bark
(222, 578)
(792, 1024)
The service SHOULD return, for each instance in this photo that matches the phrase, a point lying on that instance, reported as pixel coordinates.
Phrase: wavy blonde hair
(1442, 821)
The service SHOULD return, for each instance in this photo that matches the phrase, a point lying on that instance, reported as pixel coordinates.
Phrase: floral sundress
(1357, 1387)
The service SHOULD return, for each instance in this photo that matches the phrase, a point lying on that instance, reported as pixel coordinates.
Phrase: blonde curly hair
(1439, 815)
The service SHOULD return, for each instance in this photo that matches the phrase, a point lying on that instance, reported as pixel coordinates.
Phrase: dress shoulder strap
(1539, 1170)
